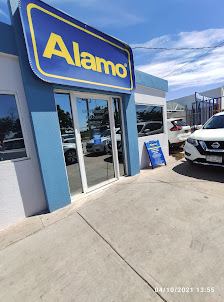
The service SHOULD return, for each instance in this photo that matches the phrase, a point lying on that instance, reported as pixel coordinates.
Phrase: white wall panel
(21, 190)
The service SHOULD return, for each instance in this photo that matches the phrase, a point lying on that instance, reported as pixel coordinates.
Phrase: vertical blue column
(44, 122)
(130, 122)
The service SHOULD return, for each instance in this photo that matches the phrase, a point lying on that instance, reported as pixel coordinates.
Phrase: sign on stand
(155, 153)
(97, 136)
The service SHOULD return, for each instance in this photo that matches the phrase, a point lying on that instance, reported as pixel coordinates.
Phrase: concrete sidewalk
(162, 229)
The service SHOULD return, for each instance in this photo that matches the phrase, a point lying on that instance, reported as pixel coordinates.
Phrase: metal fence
(202, 111)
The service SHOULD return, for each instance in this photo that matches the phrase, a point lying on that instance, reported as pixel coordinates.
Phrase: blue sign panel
(96, 136)
(65, 51)
(155, 153)
(202, 98)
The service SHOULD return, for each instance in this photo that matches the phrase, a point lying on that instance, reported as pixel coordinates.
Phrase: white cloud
(205, 71)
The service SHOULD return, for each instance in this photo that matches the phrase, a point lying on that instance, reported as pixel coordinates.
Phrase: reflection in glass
(119, 135)
(95, 135)
(149, 120)
(68, 142)
(11, 136)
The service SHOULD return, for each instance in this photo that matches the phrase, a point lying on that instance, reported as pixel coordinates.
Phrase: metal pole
(196, 109)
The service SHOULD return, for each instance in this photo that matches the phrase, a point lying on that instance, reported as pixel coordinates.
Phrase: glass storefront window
(149, 120)
(68, 142)
(11, 137)
(119, 135)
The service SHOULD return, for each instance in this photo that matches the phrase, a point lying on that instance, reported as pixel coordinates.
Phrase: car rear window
(179, 123)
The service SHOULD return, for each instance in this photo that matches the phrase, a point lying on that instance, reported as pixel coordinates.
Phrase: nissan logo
(215, 145)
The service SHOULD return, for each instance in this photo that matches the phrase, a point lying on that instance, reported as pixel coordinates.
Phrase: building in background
(199, 107)
(175, 110)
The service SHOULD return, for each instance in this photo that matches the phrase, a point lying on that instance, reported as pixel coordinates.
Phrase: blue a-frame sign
(155, 153)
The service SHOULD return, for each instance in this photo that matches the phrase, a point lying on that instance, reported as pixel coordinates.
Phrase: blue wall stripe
(145, 79)
(7, 41)
(130, 122)
(45, 126)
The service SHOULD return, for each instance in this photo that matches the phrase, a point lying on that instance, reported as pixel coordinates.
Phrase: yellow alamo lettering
(85, 59)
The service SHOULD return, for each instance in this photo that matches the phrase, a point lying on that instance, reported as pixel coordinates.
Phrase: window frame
(23, 128)
(151, 105)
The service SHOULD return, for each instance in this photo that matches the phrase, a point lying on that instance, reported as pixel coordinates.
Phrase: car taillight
(176, 128)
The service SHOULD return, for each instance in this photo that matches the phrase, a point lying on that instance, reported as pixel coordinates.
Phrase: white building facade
(48, 130)
(190, 99)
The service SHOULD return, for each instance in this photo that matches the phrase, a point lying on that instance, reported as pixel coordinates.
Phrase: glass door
(95, 133)
(68, 140)
(120, 137)
(95, 124)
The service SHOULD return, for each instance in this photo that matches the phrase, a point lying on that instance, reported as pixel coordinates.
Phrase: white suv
(206, 146)
(178, 131)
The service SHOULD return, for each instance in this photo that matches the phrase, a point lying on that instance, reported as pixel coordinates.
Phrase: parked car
(103, 146)
(119, 144)
(12, 148)
(195, 127)
(206, 146)
(69, 148)
(67, 136)
(178, 132)
(149, 128)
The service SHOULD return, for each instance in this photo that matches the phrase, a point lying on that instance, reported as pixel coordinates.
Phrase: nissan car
(206, 146)
(178, 132)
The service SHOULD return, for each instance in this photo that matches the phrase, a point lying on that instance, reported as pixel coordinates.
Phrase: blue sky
(160, 23)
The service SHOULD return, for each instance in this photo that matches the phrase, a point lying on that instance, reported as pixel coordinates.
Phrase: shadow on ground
(200, 172)
(177, 152)
(96, 154)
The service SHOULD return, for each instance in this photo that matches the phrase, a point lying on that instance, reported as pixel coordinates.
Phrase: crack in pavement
(129, 265)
